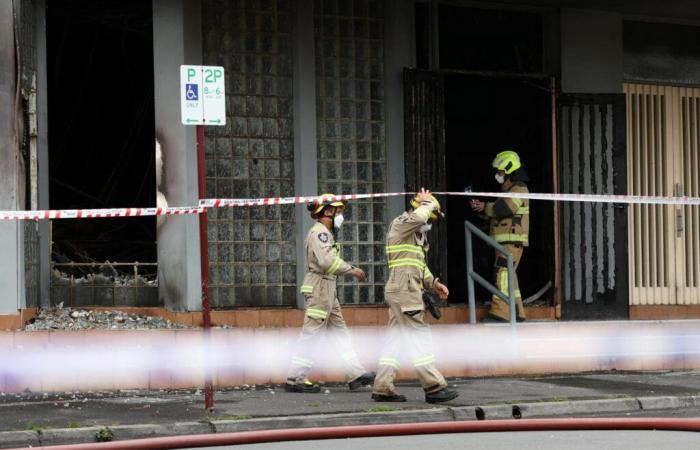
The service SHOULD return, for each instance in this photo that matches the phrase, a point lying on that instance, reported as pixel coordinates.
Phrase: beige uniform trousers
(499, 308)
(409, 336)
(315, 327)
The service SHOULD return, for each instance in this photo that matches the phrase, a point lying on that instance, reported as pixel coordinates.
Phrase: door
(594, 235)
(424, 149)
(662, 153)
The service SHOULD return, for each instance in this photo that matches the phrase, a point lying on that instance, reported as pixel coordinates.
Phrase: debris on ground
(81, 319)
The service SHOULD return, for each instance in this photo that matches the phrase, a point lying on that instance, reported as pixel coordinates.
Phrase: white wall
(177, 40)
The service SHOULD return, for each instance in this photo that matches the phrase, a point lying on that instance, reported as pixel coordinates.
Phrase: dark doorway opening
(483, 116)
(101, 126)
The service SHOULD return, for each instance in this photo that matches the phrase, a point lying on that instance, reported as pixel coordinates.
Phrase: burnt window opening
(101, 127)
(488, 39)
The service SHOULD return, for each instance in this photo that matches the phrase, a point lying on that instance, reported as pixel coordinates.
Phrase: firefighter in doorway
(323, 266)
(509, 226)
(407, 329)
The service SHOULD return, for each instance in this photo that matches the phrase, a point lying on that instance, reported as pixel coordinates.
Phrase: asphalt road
(528, 440)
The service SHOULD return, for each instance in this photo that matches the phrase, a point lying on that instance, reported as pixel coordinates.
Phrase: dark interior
(490, 40)
(484, 116)
(101, 126)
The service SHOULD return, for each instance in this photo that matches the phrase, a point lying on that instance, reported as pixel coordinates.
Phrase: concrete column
(11, 236)
(591, 51)
(43, 154)
(177, 40)
(399, 52)
(305, 146)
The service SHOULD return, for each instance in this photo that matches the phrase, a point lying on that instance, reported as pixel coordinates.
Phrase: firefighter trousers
(323, 318)
(499, 307)
(409, 335)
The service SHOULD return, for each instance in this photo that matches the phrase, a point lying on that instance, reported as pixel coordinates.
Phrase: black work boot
(443, 395)
(362, 380)
(306, 387)
(388, 398)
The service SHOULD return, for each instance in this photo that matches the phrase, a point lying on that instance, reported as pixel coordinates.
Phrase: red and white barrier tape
(266, 201)
(225, 202)
(98, 213)
(593, 198)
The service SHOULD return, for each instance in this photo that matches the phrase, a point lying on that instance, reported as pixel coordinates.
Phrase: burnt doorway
(101, 137)
(483, 116)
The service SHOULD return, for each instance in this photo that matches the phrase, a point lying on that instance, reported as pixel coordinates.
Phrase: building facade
(348, 96)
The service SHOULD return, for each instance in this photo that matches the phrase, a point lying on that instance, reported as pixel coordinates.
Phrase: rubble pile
(107, 276)
(80, 319)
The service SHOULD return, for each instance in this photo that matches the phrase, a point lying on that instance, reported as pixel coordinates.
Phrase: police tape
(591, 198)
(98, 213)
(228, 202)
(205, 204)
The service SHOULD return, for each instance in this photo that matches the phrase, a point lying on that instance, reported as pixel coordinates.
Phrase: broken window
(101, 138)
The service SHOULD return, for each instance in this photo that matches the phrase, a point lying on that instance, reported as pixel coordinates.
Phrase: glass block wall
(251, 250)
(349, 36)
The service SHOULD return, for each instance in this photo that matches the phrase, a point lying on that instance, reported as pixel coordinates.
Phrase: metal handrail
(469, 229)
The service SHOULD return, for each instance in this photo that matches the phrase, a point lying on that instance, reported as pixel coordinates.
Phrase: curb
(16, 439)
(328, 420)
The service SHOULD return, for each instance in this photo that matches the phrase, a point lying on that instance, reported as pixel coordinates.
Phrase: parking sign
(203, 95)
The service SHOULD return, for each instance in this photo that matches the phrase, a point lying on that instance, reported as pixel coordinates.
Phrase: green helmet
(507, 161)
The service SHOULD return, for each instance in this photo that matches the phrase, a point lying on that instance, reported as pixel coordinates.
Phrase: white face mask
(338, 221)
(425, 228)
(500, 178)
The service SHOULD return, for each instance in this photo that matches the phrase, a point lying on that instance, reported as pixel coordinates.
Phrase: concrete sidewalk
(49, 419)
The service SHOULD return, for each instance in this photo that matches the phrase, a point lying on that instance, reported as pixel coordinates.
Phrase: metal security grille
(662, 150)
(424, 153)
(252, 250)
(594, 241)
(349, 37)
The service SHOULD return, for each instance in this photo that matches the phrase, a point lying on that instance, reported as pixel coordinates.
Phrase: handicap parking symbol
(191, 92)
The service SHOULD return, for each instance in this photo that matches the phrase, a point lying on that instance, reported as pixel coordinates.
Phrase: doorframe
(556, 216)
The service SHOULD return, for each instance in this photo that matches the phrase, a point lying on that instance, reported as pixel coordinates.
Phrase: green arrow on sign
(215, 121)
(191, 120)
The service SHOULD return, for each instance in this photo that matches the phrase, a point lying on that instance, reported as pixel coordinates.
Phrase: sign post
(203, 102)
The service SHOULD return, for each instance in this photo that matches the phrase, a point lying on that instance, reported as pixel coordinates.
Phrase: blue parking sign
(191, 92)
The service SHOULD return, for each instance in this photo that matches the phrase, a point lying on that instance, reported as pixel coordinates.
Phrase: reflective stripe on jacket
(322, 258)
(510, 217)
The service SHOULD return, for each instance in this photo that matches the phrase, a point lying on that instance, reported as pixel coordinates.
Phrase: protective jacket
(323, 261)
(405, 253)
(509, 218)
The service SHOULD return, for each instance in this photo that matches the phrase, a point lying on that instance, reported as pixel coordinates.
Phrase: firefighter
(407, 330)
(509, 226)
(323, 266)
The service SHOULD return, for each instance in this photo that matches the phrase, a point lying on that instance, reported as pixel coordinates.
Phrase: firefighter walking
(408, 333)
(509, 226)
(323, 313)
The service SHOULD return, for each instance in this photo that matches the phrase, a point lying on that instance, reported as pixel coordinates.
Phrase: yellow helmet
(318, 204)
(436, 213)
(507, 161)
